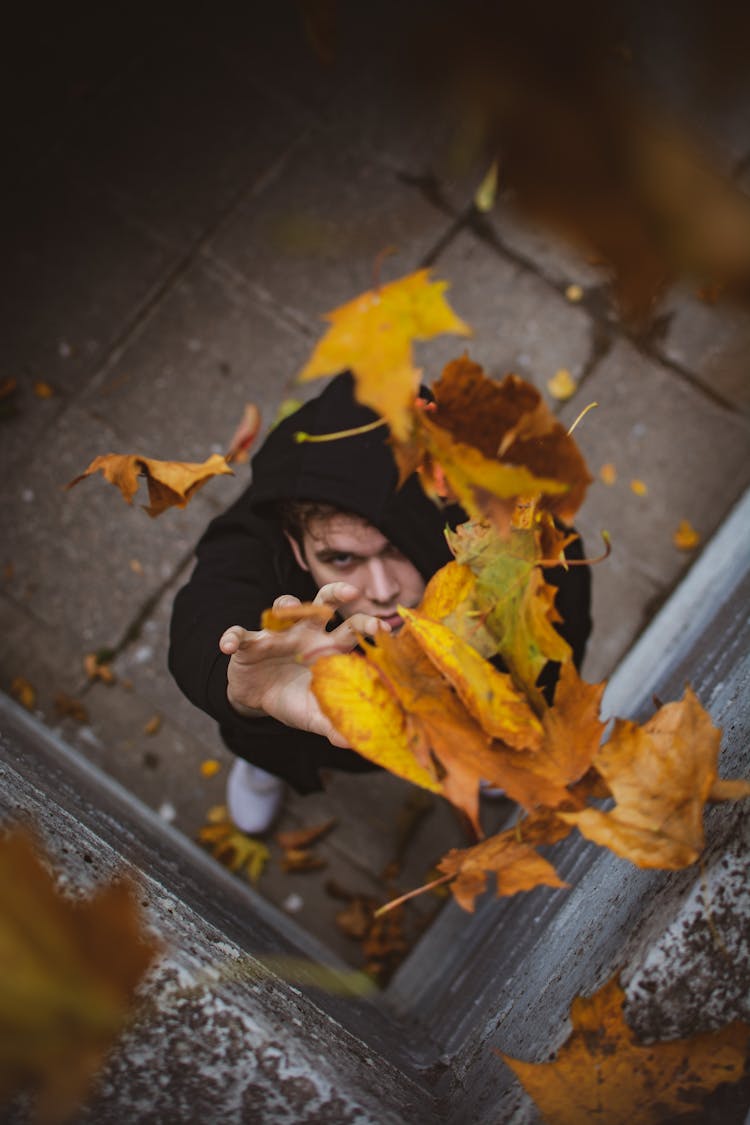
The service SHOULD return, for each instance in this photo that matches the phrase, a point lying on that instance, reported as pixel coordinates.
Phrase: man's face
(345, 548)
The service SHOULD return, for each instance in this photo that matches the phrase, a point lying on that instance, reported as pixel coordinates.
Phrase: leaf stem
(301, 436)
(581, 562)
(413, 894)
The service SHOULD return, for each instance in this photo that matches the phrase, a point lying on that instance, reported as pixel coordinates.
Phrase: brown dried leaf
(304, 837)
(171, 484)
(603, 1073)
(661, 775)
(23, 691)
(69, 708)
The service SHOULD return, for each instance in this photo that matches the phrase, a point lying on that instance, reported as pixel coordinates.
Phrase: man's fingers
(232, 640)
(336, 593)
(346, 636)
(285, 600)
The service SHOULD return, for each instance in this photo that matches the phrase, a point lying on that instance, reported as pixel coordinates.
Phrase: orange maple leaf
(281, 618)
(171, 484)
(661, 774)
(603, 1073)
(511, 856)
(372, 335)
(70, 971)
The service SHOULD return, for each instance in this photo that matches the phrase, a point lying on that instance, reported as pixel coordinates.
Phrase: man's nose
(382, 584)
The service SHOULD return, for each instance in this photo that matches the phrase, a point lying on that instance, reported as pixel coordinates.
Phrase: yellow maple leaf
(70, 970)
(603, 1073)
(490, 696)
(171, 484)
(372, 335)
(353, 696)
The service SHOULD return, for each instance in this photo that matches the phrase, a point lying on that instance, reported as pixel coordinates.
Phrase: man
(325, 522)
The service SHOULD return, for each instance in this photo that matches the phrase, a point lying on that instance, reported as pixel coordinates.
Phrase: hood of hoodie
(357, 474)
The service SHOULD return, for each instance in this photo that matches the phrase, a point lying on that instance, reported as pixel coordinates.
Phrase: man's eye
(341, 560)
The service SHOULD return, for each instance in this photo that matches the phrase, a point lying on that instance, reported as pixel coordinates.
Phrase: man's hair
(297, 515)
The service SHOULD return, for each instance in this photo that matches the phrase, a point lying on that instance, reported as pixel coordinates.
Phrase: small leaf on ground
(209, 767)
(608, 473)
(67, 707)
(639, 487)
(153, 725)
(23, 691)
(562, 385)
(243, 437)
(686, 538)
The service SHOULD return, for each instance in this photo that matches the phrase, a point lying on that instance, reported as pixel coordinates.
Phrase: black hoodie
(244, 562)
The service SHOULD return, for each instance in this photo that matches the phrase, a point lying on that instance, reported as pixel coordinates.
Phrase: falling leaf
(153, 725)
(574, 293)
(281, 618)
(638, 487)
(372, 336)
(491, 696)
(304, 837)
(603, 1073)
(608, 473)
(136, 566)
(516, 605)
(484, 200)
(170, 483)
(43, 390)
(572, 727)
(353, 696)
(209, 767)
(516, 864)
(686, 538)
(24, 692)
(562, 385)
(244, 436)
(233, 848)
(68, 707)
(70, 972)
(661, 774)
(506, 423)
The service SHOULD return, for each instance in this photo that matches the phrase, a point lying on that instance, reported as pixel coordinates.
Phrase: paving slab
(311, 251)
(691, 455)
(181, 136)
(84, 561)
(712, 341)
(520, 322)
(179, 388)
(77, 277)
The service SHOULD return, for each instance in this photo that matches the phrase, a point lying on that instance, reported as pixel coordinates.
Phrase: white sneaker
(254, 797)
(490, 791)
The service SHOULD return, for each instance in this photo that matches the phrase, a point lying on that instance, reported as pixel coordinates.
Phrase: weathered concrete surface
(222, 1036)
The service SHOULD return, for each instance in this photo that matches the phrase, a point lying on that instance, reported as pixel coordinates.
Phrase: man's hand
(269, 673)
